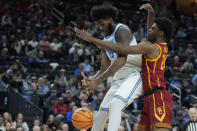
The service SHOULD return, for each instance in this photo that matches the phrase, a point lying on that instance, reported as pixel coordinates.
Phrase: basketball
(82, 119)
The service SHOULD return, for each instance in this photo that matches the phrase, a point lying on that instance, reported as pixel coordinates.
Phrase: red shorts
(157, 111)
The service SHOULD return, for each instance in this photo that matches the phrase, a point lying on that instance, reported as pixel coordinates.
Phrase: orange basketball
(82, 119)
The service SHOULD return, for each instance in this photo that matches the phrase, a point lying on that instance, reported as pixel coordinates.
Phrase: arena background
(41, 59)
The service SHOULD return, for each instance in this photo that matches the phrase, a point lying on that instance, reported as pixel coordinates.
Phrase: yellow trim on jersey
(154, 66)
(157, 56)
(164, 112)
(163, 43)
(148, 75)
(158, 82)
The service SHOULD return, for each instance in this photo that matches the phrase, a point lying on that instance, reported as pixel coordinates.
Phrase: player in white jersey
(127, 84)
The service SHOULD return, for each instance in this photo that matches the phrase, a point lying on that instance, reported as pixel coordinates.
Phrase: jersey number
(163, 62)
(111, 54)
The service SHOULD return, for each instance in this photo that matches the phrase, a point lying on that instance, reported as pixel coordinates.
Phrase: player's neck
(159, 40)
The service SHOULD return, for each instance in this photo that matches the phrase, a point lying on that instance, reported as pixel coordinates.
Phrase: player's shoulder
(122, 29)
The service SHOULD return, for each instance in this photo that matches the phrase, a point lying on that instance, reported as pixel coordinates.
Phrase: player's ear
(161, 33)
(111, 20)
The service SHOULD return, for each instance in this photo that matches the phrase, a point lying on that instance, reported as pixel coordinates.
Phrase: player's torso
(133, 63)
(153, 69)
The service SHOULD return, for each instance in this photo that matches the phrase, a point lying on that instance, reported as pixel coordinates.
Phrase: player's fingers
(83, 75)
(93, 92)
(142, 7)
(77, 30)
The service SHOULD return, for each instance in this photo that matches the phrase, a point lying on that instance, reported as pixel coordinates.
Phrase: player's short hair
(104, 12)
(166, 26)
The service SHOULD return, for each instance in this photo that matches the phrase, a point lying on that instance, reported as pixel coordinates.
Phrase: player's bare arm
(151, 14)
(144, 48)
(105, 63)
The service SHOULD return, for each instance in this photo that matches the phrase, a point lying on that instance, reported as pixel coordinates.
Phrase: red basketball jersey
(153, 69)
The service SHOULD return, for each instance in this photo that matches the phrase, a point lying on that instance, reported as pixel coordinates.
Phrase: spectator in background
(36, 128)
(74, 54)
(177, 64)
(32, 45)
(19, 129)
(40, 59)
(187, 90)
(8, 126)
(16, 82)
(2, 83)
(44, 44)
(28, 32)
(190, 50)
(36, 122)
(4, 42)
(185, 116)
(27, 87)
(191, 125)
(194, 79)
(175, 82)
(19, 46)
(51, 100)
(51, 122)
(80, 69)
(195, 65)
(188, 66)
(7, 117)
(4, 57)
(176, 128)
(62, 80)
(42, 86)
(55, 45)
(45, 128)
(64, 127)
(12, 51)
(60, 107)
(97, 102)
(20, 123)
(2, 126)
(31, 60)
(86, 65)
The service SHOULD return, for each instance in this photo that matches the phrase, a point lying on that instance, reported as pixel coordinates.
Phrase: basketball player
(125, 69)
(156, 115)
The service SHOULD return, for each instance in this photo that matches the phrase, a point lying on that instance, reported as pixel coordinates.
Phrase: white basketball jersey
(134, 62)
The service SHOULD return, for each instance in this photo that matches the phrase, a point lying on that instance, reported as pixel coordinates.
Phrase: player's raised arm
(151, 14)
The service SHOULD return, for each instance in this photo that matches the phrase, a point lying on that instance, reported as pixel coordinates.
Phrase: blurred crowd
(41, 58)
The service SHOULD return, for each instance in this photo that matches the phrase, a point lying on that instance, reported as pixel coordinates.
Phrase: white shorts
(127, 90)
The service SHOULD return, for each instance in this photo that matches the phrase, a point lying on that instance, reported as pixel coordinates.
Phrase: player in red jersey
(156, 115)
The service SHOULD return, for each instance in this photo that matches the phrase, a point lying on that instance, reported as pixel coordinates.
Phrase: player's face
(104, 26)
(153, 32)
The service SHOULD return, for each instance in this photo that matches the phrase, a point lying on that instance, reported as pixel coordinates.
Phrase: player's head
(105, 15)
(162, 28)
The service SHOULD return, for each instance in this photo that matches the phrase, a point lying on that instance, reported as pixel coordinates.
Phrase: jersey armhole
(155, 59)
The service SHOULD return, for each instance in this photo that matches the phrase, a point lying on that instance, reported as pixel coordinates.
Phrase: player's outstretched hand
(85, 80)
(82, 34)
(89, 84)
(147, 7)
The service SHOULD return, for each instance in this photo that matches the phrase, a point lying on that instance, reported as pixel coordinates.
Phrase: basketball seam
(82, 115)
(81, 121)
(91, 117)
